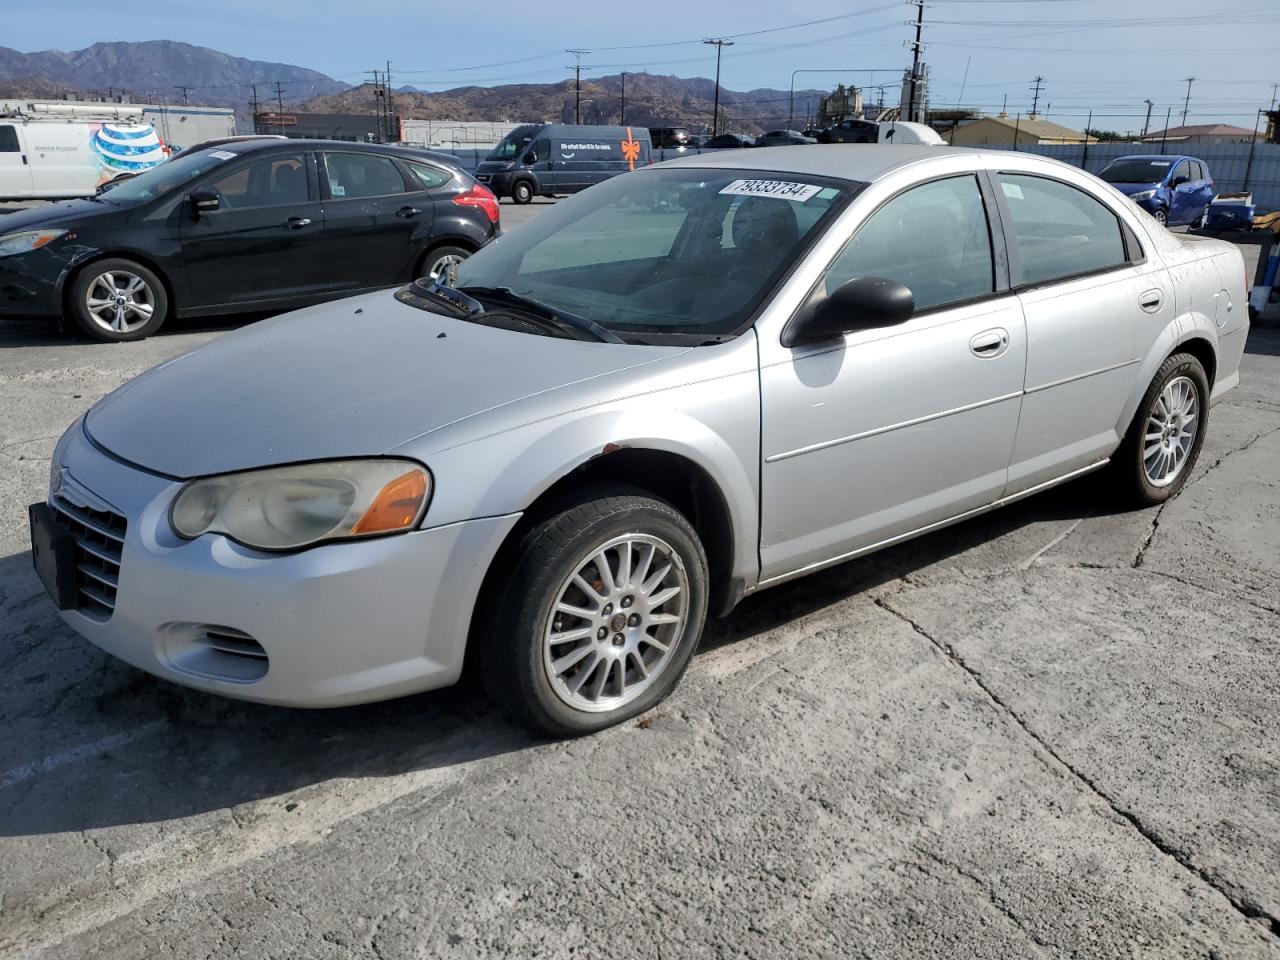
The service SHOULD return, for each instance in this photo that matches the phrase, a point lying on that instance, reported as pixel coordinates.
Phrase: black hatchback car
(249, 226)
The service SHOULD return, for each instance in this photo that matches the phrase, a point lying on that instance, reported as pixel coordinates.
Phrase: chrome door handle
(990, 343)
(1150, 300)
(297, 223)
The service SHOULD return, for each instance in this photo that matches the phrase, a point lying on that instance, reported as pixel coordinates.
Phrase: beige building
(1201, 133)
(1001, 131)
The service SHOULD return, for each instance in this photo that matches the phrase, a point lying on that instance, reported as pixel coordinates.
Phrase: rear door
(1093, 305)
(15, 168)
(371, 213)
(1204, 186)
(264, 242)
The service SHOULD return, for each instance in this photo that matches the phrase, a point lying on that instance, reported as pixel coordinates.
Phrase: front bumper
(334, 625)
(29, 286)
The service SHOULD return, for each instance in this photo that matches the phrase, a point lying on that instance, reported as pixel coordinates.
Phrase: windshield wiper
(438, 296)
(560, 318)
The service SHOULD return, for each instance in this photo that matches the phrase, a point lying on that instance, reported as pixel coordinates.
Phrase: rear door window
(360, 175)
(429, 176)
(1058, 231)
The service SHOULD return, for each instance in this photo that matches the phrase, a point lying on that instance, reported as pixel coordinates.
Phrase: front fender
(714, 424)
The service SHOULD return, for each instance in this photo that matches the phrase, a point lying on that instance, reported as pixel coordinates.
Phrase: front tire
(522, 192)
(117, 300)
(1162, 217)
(599, 616)
(1164, 439)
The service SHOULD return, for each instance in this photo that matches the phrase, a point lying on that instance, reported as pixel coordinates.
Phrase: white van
(55, 153)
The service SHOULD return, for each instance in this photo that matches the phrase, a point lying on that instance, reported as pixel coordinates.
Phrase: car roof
(1156, 156)
(862, 162)
(251, 146)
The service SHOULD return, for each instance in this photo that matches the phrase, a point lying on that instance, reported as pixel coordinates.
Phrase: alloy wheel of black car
(116, 300)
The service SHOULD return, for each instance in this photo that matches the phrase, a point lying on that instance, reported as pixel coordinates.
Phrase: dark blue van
(543, 159)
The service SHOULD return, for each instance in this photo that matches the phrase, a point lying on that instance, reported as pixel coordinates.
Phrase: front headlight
(285, 508)
(27, 241)
(1144, 195)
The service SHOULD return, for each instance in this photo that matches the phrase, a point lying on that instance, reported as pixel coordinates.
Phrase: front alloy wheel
(598, 610)
(118, 300)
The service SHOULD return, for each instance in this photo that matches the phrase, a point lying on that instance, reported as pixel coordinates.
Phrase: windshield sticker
(222, 154)
(1012, 190)
(799, 192)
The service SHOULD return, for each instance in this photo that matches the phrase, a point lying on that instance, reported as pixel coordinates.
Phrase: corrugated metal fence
(1228, 163)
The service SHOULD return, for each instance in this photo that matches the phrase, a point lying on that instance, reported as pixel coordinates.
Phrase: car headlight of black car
(26, 241)
(287, 508)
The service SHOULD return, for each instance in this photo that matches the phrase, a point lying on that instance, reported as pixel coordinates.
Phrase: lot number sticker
(799, 192)
(222, 154)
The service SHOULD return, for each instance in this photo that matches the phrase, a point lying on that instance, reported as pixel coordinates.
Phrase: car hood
(1128, 189)
(354, 377)
(55, 215)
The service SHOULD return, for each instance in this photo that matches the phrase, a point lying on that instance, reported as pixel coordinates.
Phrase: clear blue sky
(1103, 54)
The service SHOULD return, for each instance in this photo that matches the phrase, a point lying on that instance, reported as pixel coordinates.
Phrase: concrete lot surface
(1048, 732)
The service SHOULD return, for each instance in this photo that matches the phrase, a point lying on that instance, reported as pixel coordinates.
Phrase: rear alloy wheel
(522, 192)
(600, 615)
(1162, 218)
(442, 263)
(1167, 432)
(117, 300)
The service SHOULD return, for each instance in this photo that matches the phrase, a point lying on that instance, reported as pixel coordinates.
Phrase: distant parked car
(249, 226)
(783, 138)
(1172, 189)
(853, 131)
(817, 133)
(671, 138)
(729, 140)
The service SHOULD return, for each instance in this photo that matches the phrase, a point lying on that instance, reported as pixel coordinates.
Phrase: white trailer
(62, 150)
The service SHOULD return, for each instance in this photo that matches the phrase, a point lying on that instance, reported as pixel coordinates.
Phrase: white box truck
(53, 151)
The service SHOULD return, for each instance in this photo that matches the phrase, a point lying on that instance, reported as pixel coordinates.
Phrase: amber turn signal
(397, 505)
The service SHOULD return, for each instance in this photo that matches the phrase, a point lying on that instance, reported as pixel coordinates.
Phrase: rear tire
(634, 568)
(522, 192)
(1164, 439)
(118, 300)
(443, 261)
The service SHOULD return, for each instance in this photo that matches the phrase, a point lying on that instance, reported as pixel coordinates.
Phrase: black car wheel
(1166, 434)
(117, 300)
(442, 263)
(1162, 218)
(522, 191)
(598, 614)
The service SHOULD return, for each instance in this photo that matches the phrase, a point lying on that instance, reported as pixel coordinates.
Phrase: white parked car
(678, 388)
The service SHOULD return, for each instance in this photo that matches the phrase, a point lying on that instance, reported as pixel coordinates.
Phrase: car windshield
(1137, 170)
(167, 176)
(664, 255)
(511, 144)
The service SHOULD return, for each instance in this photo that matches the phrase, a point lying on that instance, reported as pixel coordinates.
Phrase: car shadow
(96, 743)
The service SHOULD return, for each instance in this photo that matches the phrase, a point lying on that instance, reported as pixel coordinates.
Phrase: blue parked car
(1172, 189)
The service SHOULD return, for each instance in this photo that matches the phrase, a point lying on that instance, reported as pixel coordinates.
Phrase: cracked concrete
(1046, 733)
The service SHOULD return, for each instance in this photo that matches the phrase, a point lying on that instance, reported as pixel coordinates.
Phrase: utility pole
(915, 58)
(622, 114)
(1187, 103)
(186, 102)
(393, 132)
(1165, 136)
(1035, 95)
(719, 44)
(577, 82)
(280, 104)
(1275, 88)
(377, 103)
(254, 106)
(1147, 122)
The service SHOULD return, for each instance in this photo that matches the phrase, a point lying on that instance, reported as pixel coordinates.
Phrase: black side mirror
(529, 159)
(864, 303)
(203, 201)
(1178, 181)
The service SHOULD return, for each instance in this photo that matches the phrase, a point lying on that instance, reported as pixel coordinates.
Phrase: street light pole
(1147, 123)
(715, 116)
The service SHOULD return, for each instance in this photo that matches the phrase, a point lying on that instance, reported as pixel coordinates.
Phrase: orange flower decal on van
(631, 149)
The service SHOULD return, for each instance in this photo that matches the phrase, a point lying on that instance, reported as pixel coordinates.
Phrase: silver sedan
(674, 390)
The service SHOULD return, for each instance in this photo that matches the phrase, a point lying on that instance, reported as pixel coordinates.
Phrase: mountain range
(169, 71)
